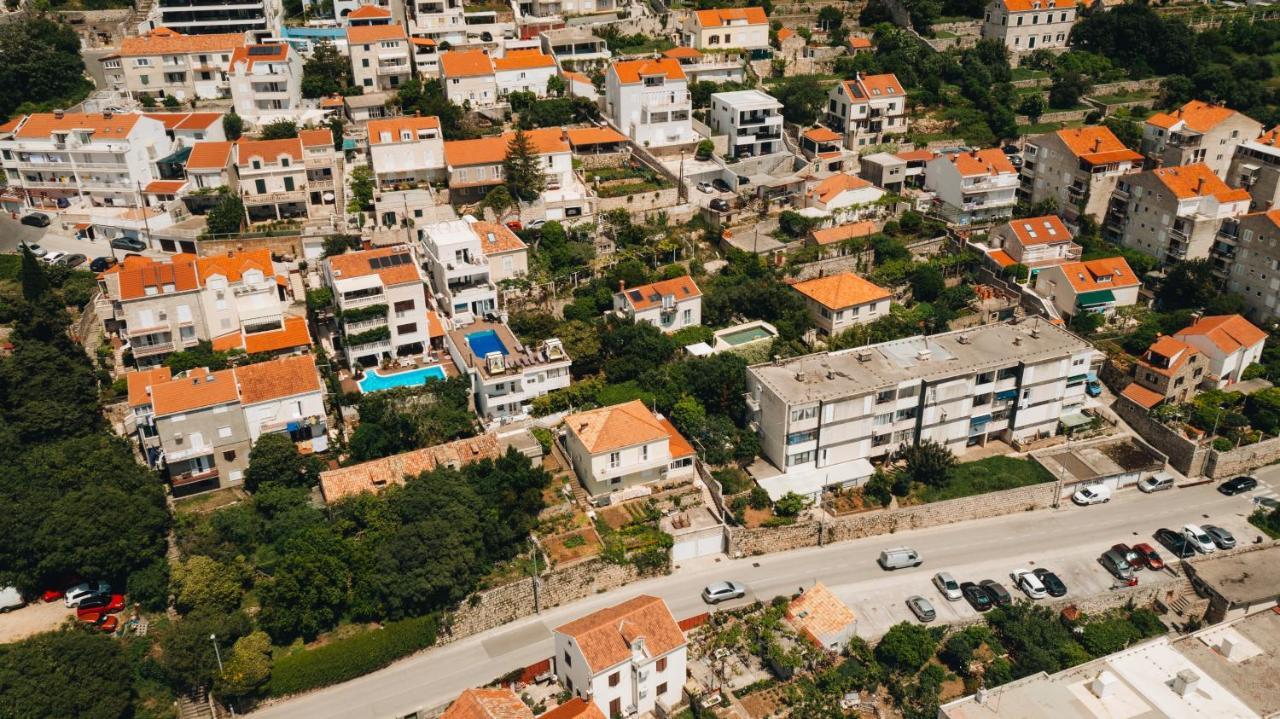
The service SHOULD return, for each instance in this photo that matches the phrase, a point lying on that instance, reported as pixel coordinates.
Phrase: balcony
(152, 349)
(180, 480)
(322, 162)
(349, 302)
(274, 198)
(362, 325)
(394, 69)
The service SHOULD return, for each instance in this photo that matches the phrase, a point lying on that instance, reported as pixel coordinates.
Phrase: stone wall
(1185, 455)
(1241, 460)
(926, 248)
(1115, 88)
(858, 262)
(1033, 82)
(1058, 116)
(641, 201)
(595, 161)
(288, 246)
(744, 542)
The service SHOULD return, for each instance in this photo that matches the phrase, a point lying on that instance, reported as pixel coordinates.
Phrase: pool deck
(350, 385)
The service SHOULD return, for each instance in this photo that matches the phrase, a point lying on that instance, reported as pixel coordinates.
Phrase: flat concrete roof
(1243, 578)
(745, 99)
(1255, 676)
(571, 34)
(833, 375)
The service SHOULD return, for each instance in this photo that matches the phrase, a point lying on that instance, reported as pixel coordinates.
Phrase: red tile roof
(843, 290)
(269, 151)
(378, 474)
(292, 335)
(316, 138)
(1228, 333)
(465, 63)
(686, 53)
(401, 129)
(277, 379)
(1142, 396)
(1102, 274)
(840, 233)
(523, 60)
(496, 239)
(143, 273)
(164, 187)
(488, 704)
(1096, 145)
(1196, 115)
(991, 161)
(210, 155)
(163, 41)
(1198, 180)
(369, 12)
(368, 34)
(873, 87)
(1039, 230)
(643, 297)
(830, 188)
(275, 52)
(606, 637)
(584, 136)
(140, 383)
(357, 264)
(720, 17)
(1001, 258)
(233, 265)
(606, 429)
(630, 72)
(44, 124)
(822, 134)
(198, 389)
(493, 150)
(575, 708)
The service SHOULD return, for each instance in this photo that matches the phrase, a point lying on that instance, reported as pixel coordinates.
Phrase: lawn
(1026, 73)
(992, 474)
(1140, 96)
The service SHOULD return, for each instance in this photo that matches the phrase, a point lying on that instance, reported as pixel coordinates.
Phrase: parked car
(1175, 542)
(106, 603)
(1015, 160)
(129, 244)
(1199, 539)
(10, 599)
(1236, 485)
(535, 224)
(921, 607)
(1028, 582)
(72, 260)
(705, 187)
(1156, 482)
(1149, 557)
(999, 595)
(1093, 388)
(37, 250)
(1115, 563)
(899, 558)
(80, 592)
(1129, 555)
(109, 623)
(1053, 586)
(102, 264)
(515, 225)
(53, 257)
(948, 585)
(1221, 537)
(721, 185)
(743, 180)
(1012, 150)
(976, 596)
(1092, 494)
(719, 205)
(722, 591)
(36, 219)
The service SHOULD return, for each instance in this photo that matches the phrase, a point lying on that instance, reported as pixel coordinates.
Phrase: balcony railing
(363, 300)
(271, 198)
(179, 480)
(152, 349)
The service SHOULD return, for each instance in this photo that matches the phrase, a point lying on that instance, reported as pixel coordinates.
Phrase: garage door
(697, 547)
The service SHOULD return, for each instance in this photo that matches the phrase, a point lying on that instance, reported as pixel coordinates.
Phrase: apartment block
(867, 109)
(1026, 25)
(625, 445)
(1255, 166)
(649, 101)
(670, 305)
(381, 296)
(266, 83)
(1197, 133)
(381, 56)
(289, 178)
(1033, 242)
(438, 20)
(468, 77)
(973, 188)
(466, 259)
(839, 302)
(823, 418)
(1077, 168)
(1097, 286)
(167, 63)
(727, 28)
(426, 56)
(406, 150)
(565, 8)
(506, 375)
(1246, 256)
(261, 18)
(1172, 213)
(751, 119)
(476, 166)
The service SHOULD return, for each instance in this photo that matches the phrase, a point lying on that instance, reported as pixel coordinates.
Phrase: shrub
(790, 505)
(759, 498)
(349, 658)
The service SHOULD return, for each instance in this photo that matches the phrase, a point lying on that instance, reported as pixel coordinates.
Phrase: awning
(176, 158)
(1075, 420)
(1077, 378)
(979, 420)
(1097, 297)
(1092, 376)
(1007, 394)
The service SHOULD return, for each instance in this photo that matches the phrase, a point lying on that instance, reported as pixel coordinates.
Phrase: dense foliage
(345, 659)
(40, 66)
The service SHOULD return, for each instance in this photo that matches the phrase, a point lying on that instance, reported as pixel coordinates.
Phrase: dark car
(976, 596)
(999, 595)
(1149, 557)
(743, 180)
(721, 185)
(1236, 485)
(102, 264)
(1175, 542)
(129, 244)
(36, 219)
(1012, 150)
(72, 260)
(1130, 555)
(1015, 160)
(1052, 584)
(719, 205)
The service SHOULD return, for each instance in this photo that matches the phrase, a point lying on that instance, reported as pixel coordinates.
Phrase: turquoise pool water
(484, 342)
(373, 381)
(750, 334)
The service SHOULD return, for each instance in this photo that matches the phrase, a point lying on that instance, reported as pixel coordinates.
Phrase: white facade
(670, 305)
(867, 110)
(381, 56)
(389, 278)
(1025, 25)
(727, 28)
(165, 63)
(261, 18)
(976, 187)
(506, 376)
(751, 119)
(1230, 343)
(266, 86)
(440, 20)
(460, 271)
(649, 101)
(406, 150)
(523, 71)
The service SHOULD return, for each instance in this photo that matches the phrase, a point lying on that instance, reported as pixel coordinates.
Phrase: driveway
(32, 619)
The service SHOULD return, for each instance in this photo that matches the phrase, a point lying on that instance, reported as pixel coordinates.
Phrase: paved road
(1067, 540)
(53, 237)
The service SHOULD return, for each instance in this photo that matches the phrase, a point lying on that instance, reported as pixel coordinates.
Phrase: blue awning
(981, 419)
(1007, 394)
(1092, 376)
(293, 426)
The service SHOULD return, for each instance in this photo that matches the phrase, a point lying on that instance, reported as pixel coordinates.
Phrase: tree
(802, 99)
(201, 582)
(905, 648)
(40, 66)
(1189, 285)
(1126, 131)
(306, 595)
(275, 459)
(927, 283)
(227, 216)
(361, 188)
(790, 505)
(523, 170)
(705, 149)
(1067, 88)
(498, 199)
(68, 673)
(1033, 106)
(830, 18)
(283, 129)
(336, 129)
(248, 667)
(232, 126)
(35, 282)
(202, 355)
(325, 73)
(555, 85)
(928, 463)
(427, 99)
(187, 653)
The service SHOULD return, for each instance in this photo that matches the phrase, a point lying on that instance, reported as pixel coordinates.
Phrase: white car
(1028, 582)
(948, 585)
(1092, 494)
(53, 257)
(83, 591)
(706, 187)
(1199, 539)
(37, 250)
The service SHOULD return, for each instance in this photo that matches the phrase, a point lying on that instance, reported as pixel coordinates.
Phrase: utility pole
(142, 206)
(537, 600)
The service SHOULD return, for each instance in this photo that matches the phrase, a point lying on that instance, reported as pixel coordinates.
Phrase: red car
(103, 603)
(51, 595)
(109, 623)
(515, 225)
(1149, 557)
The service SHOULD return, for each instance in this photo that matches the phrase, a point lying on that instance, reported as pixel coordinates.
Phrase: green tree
(905, 648)
(928, 463)
(1189, 285)
(275, 459)
(523, 171)
(927, 283)
(1033, 106)
(830, 18)
(361, 188)
(201, 582)
(555, 85)
(305, 596)
(283, 129)
(227, 216)
(325, 73)
(705, 149)
(170, 102)
(35, 282)
(68, 673)
(40, 66)
(202, 355)
(1126, 131)
(187, 654)
(248, 667)
(336, 129)
(428, 99)
(789, 505)
(1067, 88)
(802, 98)
(232, 125)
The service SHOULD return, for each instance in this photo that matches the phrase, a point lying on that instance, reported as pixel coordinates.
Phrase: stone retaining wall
(641, 201)
(1057, 116)
(1241, 460)
(598, 160)
(1185, 455)
(1115, 88)
(857, 262)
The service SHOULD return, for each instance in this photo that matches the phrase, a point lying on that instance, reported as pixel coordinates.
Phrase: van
(899, 558)
(1156, 482)
(10, 598)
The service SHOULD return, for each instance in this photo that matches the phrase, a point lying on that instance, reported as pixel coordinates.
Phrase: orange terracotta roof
(683, 53)
(859, 43)
(1198, 180)
(1026, 6)
(233, 265)
(575, 708)
(720, 17)
(915, 156)
(435, 328)
(1196, 115)
(401, 129)
(821, 616)
(1002, 258)
(677, 444)
(423, 41)
(278, 52)
(583, 136)
(523, 60)
(873, 87)
(210, 155)
(785, 33)
(316, 138)
(846, 289)
(1270, 137)
(368, 34)
(140, 383)
(630, 72)
(44, 124)
(1167, 355)
(487, 704)
(991, 161)
(277, 379)
(1097, 145)
(606, 637)
(1101, 274)
(198, 389)
(331, 102)
(822, 134)
(1142, 396)
(643, 297)
(269, 151)
(12, 125)
(496, 239)
(357, 264)
(621, 425)
(369, 12)
(465, 63)
(137, 277)
(378, 474)
(163, 41)
(492, 150)
(293, 334)
(830, 188)
(1228, 333)
(185, 120)
(164, 187)
(1039, 230)
(840, 233)
(575, 76)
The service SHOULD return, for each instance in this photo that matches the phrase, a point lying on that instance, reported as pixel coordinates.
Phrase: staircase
(141, 9)
(195, 706)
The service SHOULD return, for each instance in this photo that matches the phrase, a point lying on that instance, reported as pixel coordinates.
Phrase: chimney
(800, 376)
(622, 285)
(1185, 682)
(107, 114)
(58, 114)
(980, 696)
(1097, 144)
(1103, 685)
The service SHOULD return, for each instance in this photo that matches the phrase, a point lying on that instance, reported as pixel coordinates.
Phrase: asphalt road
(1067, 540)
(53, 237)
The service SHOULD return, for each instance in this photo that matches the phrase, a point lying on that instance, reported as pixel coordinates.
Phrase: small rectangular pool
(374, 381)
(743, 336)
(484, 342)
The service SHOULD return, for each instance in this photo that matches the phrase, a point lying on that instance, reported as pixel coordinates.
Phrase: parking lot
(32, 619)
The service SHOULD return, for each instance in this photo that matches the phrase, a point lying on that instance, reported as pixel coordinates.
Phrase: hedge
(346, 659)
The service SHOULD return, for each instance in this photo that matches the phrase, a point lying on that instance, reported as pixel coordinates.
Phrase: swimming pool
(484, 342)
(373, 381)
(743, 336)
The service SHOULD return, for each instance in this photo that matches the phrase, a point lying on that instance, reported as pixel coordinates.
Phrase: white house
(752, 120)
(1099, 285)
(842, 198)
(284, 395)
(840, 301)
(468, 77)
(649, 101)
(524, 71)
(406, 150)
(1025, 25)
(1231, 343)
(626, 659)
(625, 445)
(1034, 242)
(973, 188)
(466, 259)
(727, 28)
(383, 299)
(381, 56)
(506, 376)
(867, 109)
(266, 82)
(669, 305)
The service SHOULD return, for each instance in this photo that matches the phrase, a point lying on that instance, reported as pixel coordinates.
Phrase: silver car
(921, 607)
(721, 591)
(948, 585)
(1220, 536)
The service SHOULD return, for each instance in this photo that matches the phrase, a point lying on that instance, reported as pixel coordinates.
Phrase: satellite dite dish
(328, 197)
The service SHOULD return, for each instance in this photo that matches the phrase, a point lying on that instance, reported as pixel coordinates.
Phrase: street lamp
(214, 638)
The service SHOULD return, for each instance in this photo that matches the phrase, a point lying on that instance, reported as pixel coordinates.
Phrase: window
(229, 455)
(801, 458)
(883, 419)
(615, 678)
(288, 181)
(906, 392)
(902, 436)
(885, 396)
(908, 413)
(801, 437)
(804, 413)
(688, 317)
(644, 453)
(615, 459)
(224, 432)
(1007, 373)
(407, 329)
(568, 662)
(260, 186)
(662, 688)
(662, 667)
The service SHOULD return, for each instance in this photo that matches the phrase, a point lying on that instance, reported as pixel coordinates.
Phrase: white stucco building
(649, 101)
(625, 445)
(467, 259)
(1230, 342)
(752, 119)
(382, 294)
(406, 150)
(973, 188)
(669, 305)
(266, 83)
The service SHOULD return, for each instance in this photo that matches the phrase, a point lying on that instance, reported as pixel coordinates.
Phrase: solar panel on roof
(405, 258)
(635, 295)
(376, 263)
(256, 50)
